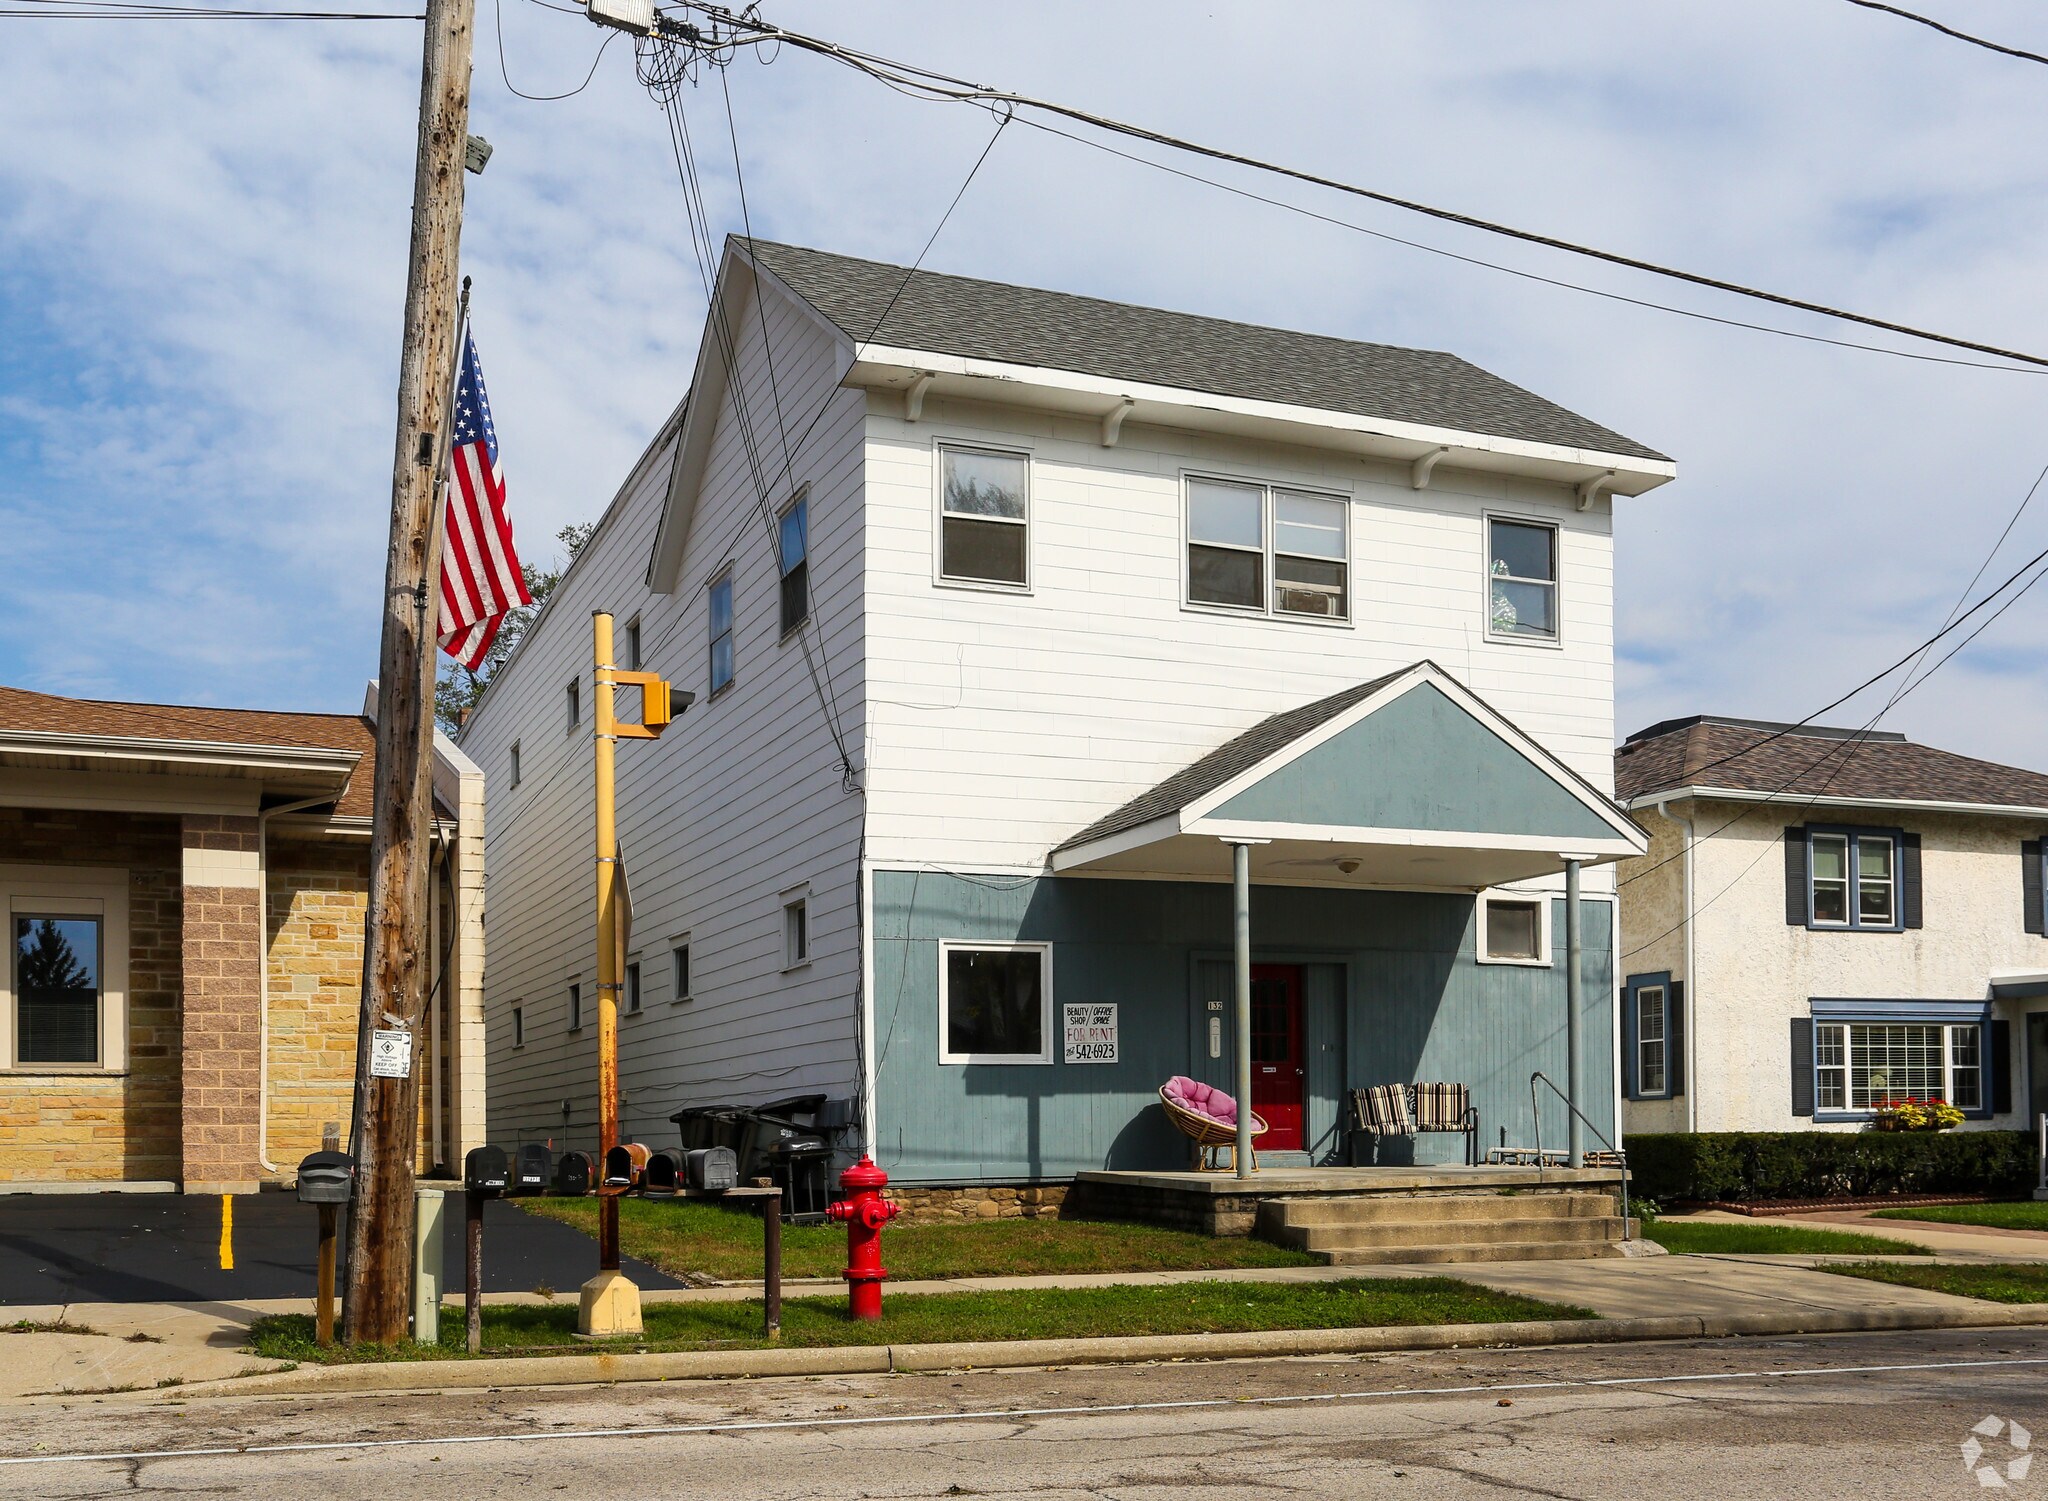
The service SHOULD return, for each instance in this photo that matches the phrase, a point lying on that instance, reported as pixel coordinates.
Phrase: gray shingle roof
(1228, 760)
(989, 320)
(1810, 763)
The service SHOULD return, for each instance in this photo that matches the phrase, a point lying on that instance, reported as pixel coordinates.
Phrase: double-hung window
(720, 598)
(1852, 878)
(1521, 580)
(1652, 1040)
(792, 546)
(1266, 549)
(984, 516)
(1859, 1065)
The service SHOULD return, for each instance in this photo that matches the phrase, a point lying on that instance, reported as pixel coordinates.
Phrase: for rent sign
(1090, 1034)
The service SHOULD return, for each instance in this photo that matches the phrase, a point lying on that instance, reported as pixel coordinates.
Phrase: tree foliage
(457, 689)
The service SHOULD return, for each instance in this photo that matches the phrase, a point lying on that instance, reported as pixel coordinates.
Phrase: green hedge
(1739, 1166)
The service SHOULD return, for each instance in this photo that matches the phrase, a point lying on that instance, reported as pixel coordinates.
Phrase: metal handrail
(1536, 1114)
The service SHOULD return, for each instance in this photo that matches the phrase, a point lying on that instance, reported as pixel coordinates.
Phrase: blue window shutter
(1909, 880)
(1629, 1058)
(1802, 1065)
(2030, 883)
(1795, 877)
(1674, 1038)
(2001, 1067)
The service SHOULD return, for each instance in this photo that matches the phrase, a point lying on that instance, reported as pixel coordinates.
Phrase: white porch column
(1241, 934)
(1574, 1025)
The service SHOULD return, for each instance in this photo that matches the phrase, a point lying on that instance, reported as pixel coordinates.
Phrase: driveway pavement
(131, 1248)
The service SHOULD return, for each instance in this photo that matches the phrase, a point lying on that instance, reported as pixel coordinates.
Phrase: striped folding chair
(1448, 1107)
(1382, 1110)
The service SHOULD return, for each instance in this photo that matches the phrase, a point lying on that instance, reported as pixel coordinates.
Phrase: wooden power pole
(396, 961)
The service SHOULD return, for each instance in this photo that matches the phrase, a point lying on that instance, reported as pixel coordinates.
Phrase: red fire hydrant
(865, 1212)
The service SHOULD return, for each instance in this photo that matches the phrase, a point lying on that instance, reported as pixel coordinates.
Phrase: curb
(871, 1360)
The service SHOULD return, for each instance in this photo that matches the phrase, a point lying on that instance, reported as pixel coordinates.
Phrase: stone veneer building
(183, 891)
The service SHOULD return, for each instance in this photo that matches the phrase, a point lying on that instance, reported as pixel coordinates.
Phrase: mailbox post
(325, 1181)
(485, 1175)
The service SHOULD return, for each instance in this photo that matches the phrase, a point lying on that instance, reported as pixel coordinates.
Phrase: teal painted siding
(1392, 992)
(1421, 762)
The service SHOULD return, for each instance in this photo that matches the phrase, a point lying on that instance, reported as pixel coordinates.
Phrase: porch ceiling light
(1349, 867)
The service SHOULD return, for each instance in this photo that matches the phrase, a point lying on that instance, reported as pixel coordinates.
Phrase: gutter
(1686, 889)
(219, 752)
(1740, 795)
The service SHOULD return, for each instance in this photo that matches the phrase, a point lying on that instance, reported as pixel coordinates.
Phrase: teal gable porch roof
(1410, 779)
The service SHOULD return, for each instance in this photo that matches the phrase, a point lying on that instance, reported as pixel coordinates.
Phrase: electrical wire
(109, 10)
(1950, 31)
(498, 10)
(924, 82)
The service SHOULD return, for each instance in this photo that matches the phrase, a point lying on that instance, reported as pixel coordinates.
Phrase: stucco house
(1010, 616)
(184, 891)
(1825, 918)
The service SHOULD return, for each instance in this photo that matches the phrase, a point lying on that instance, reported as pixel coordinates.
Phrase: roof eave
(210, 754)
(883, 367)
(1797, 800)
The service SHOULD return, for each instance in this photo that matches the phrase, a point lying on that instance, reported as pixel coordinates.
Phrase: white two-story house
(1010, 615)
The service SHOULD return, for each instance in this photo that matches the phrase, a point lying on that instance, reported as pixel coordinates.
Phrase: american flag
(480, 574)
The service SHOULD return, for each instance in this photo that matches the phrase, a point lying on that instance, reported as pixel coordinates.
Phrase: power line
(928, 83)
(111, 10)
(498, 10)
(1961, 36)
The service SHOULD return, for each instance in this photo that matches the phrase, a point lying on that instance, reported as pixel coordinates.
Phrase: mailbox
(326, 1178)
(664, 1174)
(533, 1169)
(575, 1174)
(624, 1164)
(712, 1169)
(484, 1170)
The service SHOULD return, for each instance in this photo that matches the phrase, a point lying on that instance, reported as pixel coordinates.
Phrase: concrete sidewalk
(198, 1345)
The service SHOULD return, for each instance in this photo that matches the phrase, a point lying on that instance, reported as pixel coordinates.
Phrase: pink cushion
(1202, 1099)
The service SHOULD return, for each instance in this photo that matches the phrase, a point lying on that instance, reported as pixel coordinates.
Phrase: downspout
(263, 818)
(1685, 881)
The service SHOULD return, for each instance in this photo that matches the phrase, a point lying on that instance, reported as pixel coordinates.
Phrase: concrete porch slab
(1283, 1181)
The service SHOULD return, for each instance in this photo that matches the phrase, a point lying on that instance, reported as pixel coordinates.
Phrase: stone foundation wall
(93, 1127)
(978, 1202)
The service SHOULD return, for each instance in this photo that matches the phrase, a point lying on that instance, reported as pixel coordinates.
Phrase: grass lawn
(685, 1236)
(934, 1318)
(1719, 1238)
(2031, 1214)
(2020, 1282)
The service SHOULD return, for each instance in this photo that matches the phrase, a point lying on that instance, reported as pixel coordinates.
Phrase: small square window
(792, 545)
(995, 1003)
(1514, 929)
(679, 961)
(984, 525)
(632, 988)
(796, 933)
(574, 694)
(515, 764)
(575, 1008)
(1521, 569)
(720, 596)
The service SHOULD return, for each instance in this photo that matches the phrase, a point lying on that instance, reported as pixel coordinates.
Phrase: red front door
(1278, 1078)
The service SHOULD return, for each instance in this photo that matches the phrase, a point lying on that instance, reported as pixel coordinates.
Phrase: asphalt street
(1840, 1416)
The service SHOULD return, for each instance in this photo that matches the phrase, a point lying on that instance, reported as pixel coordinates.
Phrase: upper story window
(632, 653)
(633, 987)
(984, 516)
(720, 594)
(573, 694)
(1521, 580)
(575, 1007)
(796, 932)
(1853, 878)
(514, 767)
(792, 545)
(1259, 548)
(679, 965)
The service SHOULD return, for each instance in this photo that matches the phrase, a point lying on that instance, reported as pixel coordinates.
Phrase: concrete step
(1543, 1250)
(1364, 1209)
(1397, 1233)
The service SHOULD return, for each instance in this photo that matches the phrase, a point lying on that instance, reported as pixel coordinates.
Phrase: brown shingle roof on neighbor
(50, 714)
(1812, 762)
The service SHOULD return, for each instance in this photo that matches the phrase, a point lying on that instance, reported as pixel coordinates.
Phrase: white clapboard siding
(739, 801)
(1002, 724)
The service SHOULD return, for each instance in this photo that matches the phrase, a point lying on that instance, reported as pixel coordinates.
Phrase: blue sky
(202, 239)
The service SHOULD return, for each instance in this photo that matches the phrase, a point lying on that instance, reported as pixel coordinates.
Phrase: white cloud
(203, 230)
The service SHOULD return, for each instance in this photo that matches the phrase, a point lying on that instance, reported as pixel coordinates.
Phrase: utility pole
(396, 960)
(610, 1303)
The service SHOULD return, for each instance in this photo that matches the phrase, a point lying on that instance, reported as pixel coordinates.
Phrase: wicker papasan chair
(1208, 1118)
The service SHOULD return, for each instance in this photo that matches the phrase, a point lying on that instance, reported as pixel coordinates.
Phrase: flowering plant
(1915, 1114)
